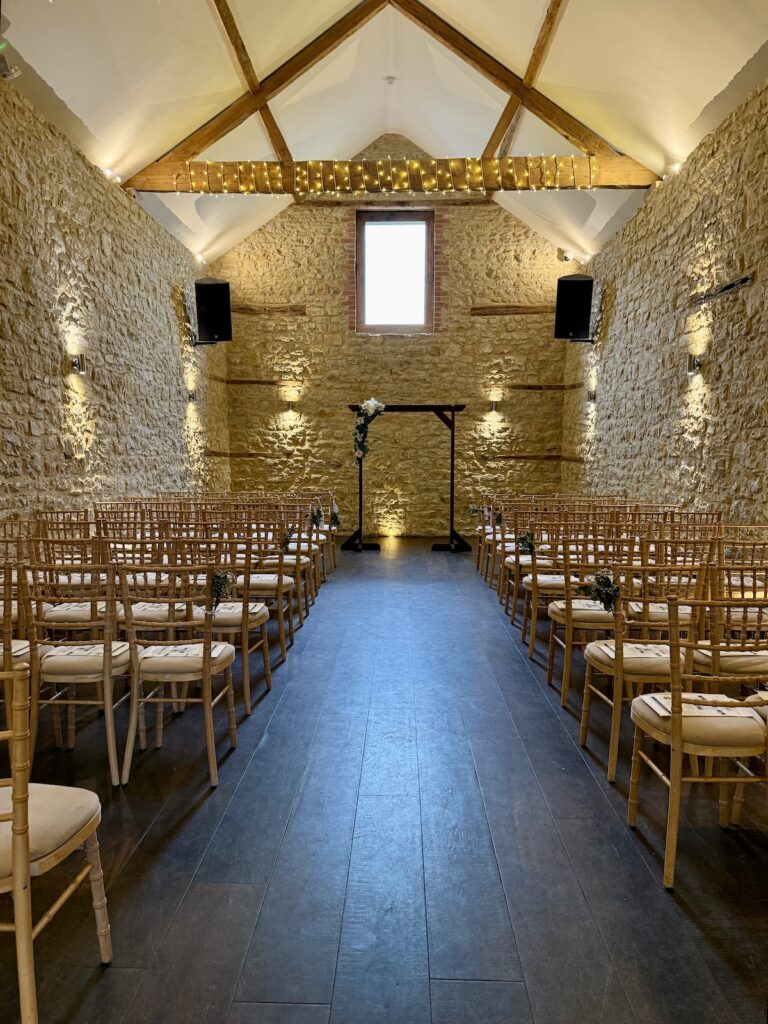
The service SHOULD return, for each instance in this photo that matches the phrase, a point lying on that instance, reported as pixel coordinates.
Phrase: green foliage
(317, 516)
(287, 541)
(366, 413)
(335, 520)
(602, 588)
(525, 543)
(222, 582)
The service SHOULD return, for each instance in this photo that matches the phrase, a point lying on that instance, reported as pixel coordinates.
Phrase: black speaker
(214, 313)
(574, 307)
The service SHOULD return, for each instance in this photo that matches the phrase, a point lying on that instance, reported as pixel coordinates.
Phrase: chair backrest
(17, 737)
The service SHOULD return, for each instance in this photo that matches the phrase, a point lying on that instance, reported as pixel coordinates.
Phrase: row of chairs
(670, 610)
(143, 602)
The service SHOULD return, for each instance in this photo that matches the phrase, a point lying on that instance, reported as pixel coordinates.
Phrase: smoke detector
(390, 79)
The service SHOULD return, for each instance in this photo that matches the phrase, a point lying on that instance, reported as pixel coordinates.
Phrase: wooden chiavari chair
(710, 725)
(40, 827)
(190, 657)
(642, 608)
(71, 618)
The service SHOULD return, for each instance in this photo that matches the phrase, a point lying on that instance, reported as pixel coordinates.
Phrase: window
(395, 272)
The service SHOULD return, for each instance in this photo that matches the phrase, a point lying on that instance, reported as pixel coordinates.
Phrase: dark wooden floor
(408, 832)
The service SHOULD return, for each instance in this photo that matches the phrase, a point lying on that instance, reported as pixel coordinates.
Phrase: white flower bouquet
(367, 411)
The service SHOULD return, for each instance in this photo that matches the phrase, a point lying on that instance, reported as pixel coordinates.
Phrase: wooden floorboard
(408, 832)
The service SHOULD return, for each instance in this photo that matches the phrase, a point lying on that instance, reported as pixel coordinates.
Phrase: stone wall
(653, 432)
(84, 270)
(307, 255)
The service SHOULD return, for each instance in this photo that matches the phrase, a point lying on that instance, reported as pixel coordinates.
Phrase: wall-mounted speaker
(214, 312)
(574, 307)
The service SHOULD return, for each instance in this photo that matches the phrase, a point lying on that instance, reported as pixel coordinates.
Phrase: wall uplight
(592, 395)
(694, 364)
(79, 364)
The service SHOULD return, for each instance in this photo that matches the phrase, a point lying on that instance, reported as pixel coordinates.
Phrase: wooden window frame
(421, 216)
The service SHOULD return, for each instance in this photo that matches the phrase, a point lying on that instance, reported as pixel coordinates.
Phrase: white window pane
(395, 272)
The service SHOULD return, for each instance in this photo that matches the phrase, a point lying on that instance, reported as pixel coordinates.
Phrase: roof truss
(523, 95)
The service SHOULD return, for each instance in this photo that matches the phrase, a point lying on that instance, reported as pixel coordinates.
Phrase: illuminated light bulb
(676, 168)
(108, 171)
(199, 257)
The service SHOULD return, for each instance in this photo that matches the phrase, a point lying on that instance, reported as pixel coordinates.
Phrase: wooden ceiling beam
(227, 19)
(540, 49)
(458, 176)
(499, 133)
(578, 134)
(244, 106)
(543, 41)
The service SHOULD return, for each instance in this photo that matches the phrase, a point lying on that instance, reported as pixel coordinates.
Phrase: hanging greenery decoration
(287, 541)
(602, 588)
(222, 582)
(366, 413)
(335, 520)
(525, 543)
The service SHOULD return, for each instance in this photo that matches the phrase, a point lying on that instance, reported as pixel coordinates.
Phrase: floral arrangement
(221, 585)
(335, 520)
(318, 517)
(475, 510)
(525, 543)
(287, 540)
(602, 588)
(366, 412)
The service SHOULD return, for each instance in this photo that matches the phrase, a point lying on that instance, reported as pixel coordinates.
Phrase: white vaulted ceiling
(126, 82)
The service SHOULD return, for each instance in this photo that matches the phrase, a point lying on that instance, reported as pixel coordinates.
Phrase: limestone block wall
(653, 432)
(84, 270)
(306, 255)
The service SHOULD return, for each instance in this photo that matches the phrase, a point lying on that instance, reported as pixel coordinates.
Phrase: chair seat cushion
(14, 611)
(265, 582)
(641, 661)
(525, 562)
(657, 611)
(305, 546)
(230, 613)
(151, 612)
(552, 584)
(73, 611)
(584, 612)
(19, 651)
(733, 663)
(74, 660)
(714, 728)
(182, 659)
(56, 814)
(288, 560)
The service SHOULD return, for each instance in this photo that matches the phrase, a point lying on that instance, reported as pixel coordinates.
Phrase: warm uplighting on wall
(79, 364)
(592, 395)
(694, 364)
(109, 173)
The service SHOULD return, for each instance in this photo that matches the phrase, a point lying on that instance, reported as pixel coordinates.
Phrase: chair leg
(99, 898)
(230, 699)
(159, 717)
(586, 703)
(109, 727)
(551, 651)
(526, 606)
(281, 628)
(515, 598)
(567, 658)
(130, 740)
(533, 624)
(25, 956)
(613, 742)
(71, 726)
(244, 644)
(724, 811)
(673, 817)
(299, 599)
(210, 738)
(634, 779)
(287, 613)
(265, 655)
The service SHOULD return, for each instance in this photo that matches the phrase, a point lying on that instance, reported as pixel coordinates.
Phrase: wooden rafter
(229, 25)
(540, 50)
(243, 61)
(578, 134)
(393, 177)
(543, 41)
(244, 106)
(502, 125)
(170, 171)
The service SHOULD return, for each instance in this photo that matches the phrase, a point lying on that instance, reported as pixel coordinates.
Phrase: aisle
(407, 833)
